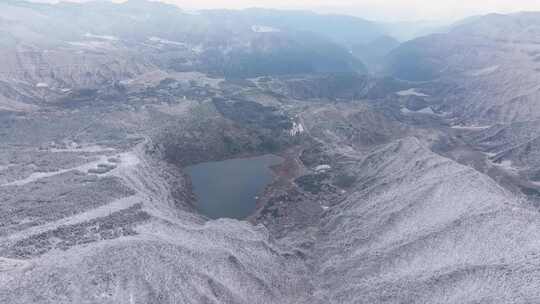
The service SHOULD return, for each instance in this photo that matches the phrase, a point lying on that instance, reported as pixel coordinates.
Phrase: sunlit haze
(385, 10)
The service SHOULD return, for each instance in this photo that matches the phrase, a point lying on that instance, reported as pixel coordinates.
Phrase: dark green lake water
(229, 188)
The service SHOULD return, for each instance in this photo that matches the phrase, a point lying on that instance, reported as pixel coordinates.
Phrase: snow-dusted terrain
(390, 191)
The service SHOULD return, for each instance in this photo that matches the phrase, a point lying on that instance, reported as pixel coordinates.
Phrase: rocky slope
(419, 228)
(486, 68)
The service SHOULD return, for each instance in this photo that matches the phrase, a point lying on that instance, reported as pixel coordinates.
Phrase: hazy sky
(390, 10)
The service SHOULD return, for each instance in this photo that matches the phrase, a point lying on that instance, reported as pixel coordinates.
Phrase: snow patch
(473, 127)
(165, 41)
(322, 168)
(102, 37)
(192, 12)
(411, 92)
(264, 29)
(426, 110)
(90, 149)
(34, 177)
(12, 264)
(42, 85)
(198, 49)
(129, 159)
(91, 45)
(483, 72)
(506, 165)
(490, 154)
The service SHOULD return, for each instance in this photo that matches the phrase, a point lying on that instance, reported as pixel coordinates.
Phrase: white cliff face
(296, 129)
